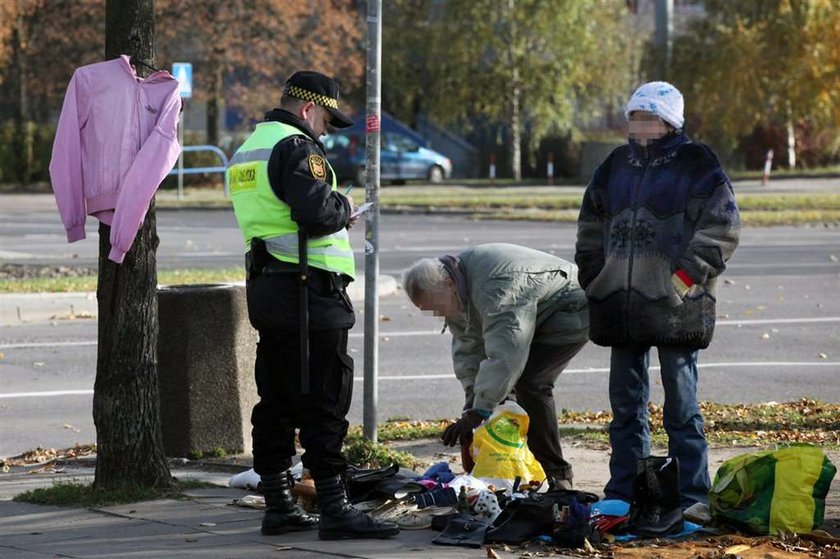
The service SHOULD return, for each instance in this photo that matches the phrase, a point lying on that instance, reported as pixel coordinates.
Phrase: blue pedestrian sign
(183, 73)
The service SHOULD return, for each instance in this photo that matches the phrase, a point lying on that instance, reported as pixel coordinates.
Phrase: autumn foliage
(241, 50)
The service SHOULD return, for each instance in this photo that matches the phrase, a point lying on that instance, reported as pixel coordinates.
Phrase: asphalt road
(778, 336)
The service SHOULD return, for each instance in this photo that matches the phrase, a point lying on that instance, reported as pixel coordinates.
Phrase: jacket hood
(159, 76)
(660, 146)
(287, 117)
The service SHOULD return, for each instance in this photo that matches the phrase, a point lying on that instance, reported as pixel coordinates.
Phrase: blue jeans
(629, 429)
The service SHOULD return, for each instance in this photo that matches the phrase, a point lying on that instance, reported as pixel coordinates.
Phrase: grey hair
(425, 276)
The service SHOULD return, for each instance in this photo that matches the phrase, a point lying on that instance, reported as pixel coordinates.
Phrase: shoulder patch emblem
(317, 166)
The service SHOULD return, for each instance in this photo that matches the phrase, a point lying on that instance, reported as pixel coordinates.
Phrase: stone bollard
(206, 353)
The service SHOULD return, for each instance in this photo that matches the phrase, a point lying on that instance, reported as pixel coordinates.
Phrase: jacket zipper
(137, 116)
(632, 239)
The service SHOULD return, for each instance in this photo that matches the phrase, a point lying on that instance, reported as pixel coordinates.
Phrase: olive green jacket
(511, 297)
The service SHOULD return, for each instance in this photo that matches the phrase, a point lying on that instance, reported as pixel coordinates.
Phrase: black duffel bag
(525, 519)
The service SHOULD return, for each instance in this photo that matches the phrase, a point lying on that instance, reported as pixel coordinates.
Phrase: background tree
(406, 59)
(33, 78)
(126, 404)
(244, 50)
(537, 66)
(750, 65)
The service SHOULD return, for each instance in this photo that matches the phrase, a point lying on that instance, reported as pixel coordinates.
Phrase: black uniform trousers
(273, 292)
(319, 415)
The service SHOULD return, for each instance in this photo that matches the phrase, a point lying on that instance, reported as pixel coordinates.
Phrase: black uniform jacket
(273, 286)
(315, 207)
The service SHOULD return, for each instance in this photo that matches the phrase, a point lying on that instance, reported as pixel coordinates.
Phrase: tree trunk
(126, 404)
(24, 128)
(515, 128)
(515, 98)
(215, 103)
(791, 138)
(216, 99)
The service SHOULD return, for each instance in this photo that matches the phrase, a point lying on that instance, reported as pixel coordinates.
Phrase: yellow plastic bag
(500, 448)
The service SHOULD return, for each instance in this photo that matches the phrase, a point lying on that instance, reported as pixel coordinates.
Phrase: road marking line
(401, 334)
(652, 368)
(412, 333)
(779, 321)
(47, 394)
(779, 265)
(46, 344)
(745, 322)
(452, 376)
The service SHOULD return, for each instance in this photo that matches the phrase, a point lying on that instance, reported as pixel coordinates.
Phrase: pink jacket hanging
(116, 141)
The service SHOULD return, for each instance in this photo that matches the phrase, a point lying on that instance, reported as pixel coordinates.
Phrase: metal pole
(181, 157)
(664, 36)
(372, 120)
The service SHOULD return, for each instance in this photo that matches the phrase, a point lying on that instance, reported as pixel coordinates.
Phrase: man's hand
(462, 430)
(354, 220)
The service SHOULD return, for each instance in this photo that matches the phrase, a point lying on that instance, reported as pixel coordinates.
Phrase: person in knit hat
(657, 224)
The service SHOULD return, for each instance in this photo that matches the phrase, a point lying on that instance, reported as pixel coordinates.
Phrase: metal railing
(180, 171)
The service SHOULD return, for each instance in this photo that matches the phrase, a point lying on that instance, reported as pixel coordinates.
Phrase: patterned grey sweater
(650, 213)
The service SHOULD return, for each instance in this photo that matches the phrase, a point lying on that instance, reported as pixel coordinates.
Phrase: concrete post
(206, 353)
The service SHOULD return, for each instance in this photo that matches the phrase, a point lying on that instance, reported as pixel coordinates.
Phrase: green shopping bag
(773, 491)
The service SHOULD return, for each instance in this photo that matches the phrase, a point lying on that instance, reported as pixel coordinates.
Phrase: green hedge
(12, 167)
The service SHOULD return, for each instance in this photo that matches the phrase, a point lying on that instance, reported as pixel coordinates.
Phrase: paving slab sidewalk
(206, 525)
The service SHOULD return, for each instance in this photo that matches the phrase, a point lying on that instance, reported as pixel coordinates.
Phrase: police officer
(284, 197)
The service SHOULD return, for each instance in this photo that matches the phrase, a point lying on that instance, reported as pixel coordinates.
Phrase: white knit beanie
(660, 98)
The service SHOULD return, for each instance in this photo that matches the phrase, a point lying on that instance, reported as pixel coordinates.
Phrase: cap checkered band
(306, 95)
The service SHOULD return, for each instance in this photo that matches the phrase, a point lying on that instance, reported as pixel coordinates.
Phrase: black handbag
(361, 483)
(464, 530)
(525, 519)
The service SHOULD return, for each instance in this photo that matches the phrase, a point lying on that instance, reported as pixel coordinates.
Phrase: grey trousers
(535, 393)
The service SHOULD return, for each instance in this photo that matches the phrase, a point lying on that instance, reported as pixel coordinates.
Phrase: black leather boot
(282, 514)
(655, 510)
(339, 520)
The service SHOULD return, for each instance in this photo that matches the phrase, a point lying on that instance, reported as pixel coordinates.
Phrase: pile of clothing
(470, 511)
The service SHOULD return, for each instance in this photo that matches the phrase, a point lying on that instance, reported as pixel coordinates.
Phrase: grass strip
(88, 283)
(539, 203)
(366, 454)
(748, 218)
(802, 421)
(556, 199)
(75, 494)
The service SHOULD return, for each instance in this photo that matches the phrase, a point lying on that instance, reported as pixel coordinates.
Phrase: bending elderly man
(517, 318)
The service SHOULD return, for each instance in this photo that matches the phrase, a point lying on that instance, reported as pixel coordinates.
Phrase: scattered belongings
(779, 487)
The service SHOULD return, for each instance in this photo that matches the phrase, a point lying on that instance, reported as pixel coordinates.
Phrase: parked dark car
(401, 157)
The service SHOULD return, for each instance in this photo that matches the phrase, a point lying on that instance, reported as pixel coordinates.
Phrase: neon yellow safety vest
(261, 214)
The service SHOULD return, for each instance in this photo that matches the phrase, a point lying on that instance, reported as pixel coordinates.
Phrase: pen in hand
(349, 188)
